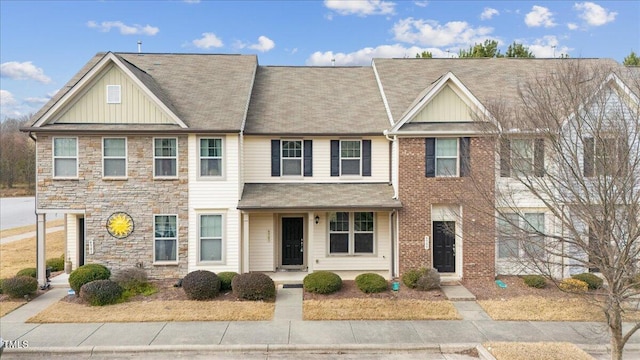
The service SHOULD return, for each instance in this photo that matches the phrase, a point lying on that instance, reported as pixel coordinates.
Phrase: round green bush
(86, 274)
(253, 286)
(56, 264)
(410, 278)
(1, 281)
(101, 292)
(592, 280)
(429, 280)
(225, 279)
(573, 285)
(201, 285)
(131, 279)
(371, 283)
(322, 282)
(534, 281)
(19, 286)
(28, 272)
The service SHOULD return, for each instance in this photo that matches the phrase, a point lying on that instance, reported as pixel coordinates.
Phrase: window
(520, 237)
(446, 157)
(210, 157)
(522, 157)
(604, 156)
(211, 237)
(65, 157)
(114, 157)
(113, 94)
(351, 233)
(292, 157)
(165, 229)
(349, 157)
(165, 156)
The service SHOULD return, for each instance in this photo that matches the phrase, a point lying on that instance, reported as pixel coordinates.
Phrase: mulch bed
(350, 290)
(489, 290)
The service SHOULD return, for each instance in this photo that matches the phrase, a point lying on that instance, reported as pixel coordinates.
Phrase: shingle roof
(318, 196)
(316, 100)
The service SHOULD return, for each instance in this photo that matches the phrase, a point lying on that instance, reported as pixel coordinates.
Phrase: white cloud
(539, 16)
(364, 56)
(548, 47)
(22, 71)
(191, 1)
(7, 99)
(264, 44)
(421, 3)
(361, 7)
(9, 106)
(431, 33)
(134, 29)
(36, 100)
(488, 13)
(572, 26)
(594, 14)
(208, 40)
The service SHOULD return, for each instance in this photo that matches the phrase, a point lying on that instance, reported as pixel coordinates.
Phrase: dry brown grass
(21, 254)
(536, 351)
(378, 309)
(29, 228)
(142, 311)
(8, 306)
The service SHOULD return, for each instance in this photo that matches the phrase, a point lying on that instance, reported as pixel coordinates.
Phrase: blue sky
(44, 43)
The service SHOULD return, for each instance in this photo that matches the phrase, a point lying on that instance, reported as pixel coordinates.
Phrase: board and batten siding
(72, 239)
(257, 161)
(261, 242)
(445, 106)
(135, 106)
(218, 196)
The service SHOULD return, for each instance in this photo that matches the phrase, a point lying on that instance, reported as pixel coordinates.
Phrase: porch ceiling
(302, 196)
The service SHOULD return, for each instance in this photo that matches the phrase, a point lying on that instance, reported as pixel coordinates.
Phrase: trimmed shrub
(131, 279)
(201, 285)
(56, 264)
(101, 292)
(19, 286)
(371, 283)
(86, 274)
(1, 281)
(592, 280)
(28, 272)
(253, 286)
(410, 278)
(225, 279)
(429, 280)
(573, 285)
(322, 282)
(535, 281)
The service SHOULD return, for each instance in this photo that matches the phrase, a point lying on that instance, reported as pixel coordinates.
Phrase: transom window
(210, 237)
(114, 157)
(65, 157)
(446, 157)
(350, 157)
(165, 156)
(351, 233)
(520, 237)
(165, 229)
(292, 157)
(211, 157)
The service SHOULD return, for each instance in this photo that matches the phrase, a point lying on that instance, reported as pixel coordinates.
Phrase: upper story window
(351, 233)
(114, 95)
(291, 157)
(520, 236)
(165, 229)
(604, 156)
(165, 157)
(210, 237)
(522, 157)
(351, 157)
(65, 157)
(210, 157)
(114, 157)
(447, 157)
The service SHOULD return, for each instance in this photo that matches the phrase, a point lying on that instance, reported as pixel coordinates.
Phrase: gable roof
(316, 101)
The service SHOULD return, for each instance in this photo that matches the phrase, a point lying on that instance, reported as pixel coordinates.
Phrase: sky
(44, 43)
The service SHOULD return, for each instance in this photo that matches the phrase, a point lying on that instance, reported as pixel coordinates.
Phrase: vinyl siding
(445, 106)
(261, 242)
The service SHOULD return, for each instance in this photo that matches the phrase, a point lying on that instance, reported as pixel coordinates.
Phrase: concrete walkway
(8, 239)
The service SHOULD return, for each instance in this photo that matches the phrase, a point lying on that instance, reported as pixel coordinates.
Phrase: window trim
(351, 234)
(223, 163)
(531, 161)
(457, 158)
(360, 158)
(223, 230)
(166, 262)
(522, 223)
(301, 158)
(54, 157)
(160, 177)
(125, 158)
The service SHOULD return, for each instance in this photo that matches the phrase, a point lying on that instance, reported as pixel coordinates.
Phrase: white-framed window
(520, 236)
(291, 157)
(351, 233)
(210, 237)
(211, 157)
(165, 240)
(165, 157)
(65, 157)
(350, 157)
(606, 156)
(114, 95)
(522, 156)
(446, 157)
(114, 157)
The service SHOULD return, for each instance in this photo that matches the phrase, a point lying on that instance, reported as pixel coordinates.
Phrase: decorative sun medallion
(120, 225)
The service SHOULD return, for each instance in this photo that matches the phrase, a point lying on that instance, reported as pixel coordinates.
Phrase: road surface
(20, 211)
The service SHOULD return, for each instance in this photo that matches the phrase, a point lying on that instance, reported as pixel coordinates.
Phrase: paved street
(19, 211)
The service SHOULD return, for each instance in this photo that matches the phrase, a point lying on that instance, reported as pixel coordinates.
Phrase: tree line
(17, 153)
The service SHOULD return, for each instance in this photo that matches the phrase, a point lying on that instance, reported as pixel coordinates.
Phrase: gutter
(391, 162)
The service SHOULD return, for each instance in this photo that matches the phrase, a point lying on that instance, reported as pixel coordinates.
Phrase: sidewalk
(286, 333)
(8, 239)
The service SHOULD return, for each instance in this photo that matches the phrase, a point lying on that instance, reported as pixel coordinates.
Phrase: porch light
(317, 219)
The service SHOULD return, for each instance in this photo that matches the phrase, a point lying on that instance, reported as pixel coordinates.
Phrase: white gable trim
(384, 96)
(87, 78)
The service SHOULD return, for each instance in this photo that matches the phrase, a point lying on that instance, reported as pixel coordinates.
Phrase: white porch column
(245, 243)
(41, 262)
(311, 222)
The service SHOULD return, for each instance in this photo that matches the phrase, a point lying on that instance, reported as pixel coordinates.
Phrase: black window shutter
(335, 157)
(505, 158)
(589, 157)
(308, 158)
(275, 157)
(465, 156)
(430, 157)
(538, 157)
(366, 157)
(623, 156)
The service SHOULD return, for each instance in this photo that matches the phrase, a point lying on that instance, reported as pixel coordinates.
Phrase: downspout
(393, 244)
(391, 162)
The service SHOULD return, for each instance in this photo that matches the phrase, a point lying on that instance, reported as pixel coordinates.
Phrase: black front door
(292, 240)
(444, 244)
(81, 244)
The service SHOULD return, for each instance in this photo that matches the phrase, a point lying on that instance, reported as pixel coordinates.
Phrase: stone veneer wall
(139, 195)
(418, 193)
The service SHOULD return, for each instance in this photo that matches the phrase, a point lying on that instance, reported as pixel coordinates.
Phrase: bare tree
(17, 153)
